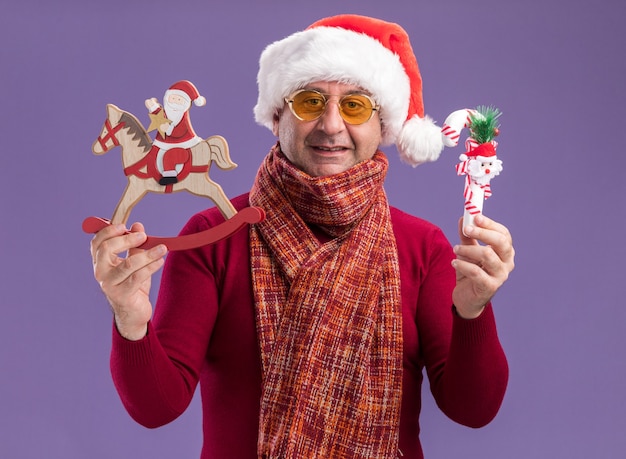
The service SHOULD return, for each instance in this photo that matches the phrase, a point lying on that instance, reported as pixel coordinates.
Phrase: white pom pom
(419, 141)
(200, 101)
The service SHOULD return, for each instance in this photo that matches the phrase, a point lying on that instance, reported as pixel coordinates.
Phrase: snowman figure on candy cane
(479, 163)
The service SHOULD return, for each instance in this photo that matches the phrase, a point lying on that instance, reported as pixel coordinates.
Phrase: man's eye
(355, 104)
(314, 101)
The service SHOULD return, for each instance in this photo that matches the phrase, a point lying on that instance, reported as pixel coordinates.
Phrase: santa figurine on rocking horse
(175, 136)
(176, 160)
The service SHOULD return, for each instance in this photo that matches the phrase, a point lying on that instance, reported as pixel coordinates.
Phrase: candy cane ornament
(454, 124)
(479, 163)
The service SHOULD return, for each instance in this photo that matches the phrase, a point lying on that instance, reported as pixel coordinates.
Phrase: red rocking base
(247, 215)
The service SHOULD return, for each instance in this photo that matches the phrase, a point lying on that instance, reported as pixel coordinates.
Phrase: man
(309, 332)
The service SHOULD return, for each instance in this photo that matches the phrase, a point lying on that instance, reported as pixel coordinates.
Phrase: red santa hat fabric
(187, 90)
(484, 150)
(373, 54)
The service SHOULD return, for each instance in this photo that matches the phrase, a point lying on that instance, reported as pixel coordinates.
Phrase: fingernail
(469, 230)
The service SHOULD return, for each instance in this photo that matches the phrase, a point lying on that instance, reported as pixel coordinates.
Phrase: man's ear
(275, 121)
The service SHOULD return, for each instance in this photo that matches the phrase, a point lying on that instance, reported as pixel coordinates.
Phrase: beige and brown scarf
(329, 318)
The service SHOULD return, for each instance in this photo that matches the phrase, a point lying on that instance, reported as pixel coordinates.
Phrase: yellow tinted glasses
(309, 105)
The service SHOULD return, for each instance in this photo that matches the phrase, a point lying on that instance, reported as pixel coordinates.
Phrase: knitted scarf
(329, 319)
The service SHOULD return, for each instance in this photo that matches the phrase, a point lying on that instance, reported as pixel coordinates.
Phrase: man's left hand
(481, 269)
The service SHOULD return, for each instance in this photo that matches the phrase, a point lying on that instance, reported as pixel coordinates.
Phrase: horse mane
(136, 130)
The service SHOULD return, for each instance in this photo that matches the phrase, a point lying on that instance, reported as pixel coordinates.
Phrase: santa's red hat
(187, 90)
(370, 53)
(483, 151)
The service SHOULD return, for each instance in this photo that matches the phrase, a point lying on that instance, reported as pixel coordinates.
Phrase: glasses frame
(290, 99)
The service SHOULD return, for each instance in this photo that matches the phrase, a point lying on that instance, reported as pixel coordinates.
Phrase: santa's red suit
(173, 148)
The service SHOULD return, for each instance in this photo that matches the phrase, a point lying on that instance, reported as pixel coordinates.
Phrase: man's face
(327, 145)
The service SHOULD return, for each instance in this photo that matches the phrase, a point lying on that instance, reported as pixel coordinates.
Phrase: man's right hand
(126, 281)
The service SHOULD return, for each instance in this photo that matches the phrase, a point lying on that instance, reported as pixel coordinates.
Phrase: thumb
(137, 228)
(465, 240)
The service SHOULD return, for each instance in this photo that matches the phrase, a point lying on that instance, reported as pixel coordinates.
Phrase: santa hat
(483, 152)
(187, 90)
(370, 53)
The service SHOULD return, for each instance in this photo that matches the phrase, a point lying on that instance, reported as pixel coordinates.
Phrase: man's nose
(331, 121)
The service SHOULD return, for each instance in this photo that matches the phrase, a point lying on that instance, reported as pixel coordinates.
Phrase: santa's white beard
(174, 112)
(478, 174)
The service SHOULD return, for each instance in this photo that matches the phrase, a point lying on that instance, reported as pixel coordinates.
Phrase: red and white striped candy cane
(454, 124)
(474, 194)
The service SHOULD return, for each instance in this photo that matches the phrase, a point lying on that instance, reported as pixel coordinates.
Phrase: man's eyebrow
(347, 93)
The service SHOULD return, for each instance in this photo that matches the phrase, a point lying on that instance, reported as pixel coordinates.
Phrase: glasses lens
(356, 108)
(308, 105)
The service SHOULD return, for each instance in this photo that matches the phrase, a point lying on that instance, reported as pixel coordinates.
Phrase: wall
(554, 68)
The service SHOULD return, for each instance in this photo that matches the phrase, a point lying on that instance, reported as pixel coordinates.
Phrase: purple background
(555, 69)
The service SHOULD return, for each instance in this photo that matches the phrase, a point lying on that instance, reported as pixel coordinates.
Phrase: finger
(488, 231)
(469, 253)
(482, 221)
(111, 231)
(465, 240)
(486, 259)
(483, 286)
(469, 269)
(137, 269)
(104, 234)
(485, 276)
(134, 267)
(124, 283)
(107, 251)
(114, 247)
(493, 234)
(132, 294)
(137, 227)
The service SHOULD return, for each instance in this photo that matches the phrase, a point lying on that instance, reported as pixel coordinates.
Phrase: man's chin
(326, 170)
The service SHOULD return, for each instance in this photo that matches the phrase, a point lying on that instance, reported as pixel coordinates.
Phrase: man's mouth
(330, 149)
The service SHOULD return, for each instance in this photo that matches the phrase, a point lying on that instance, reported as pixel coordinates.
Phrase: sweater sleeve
(476, 371)
(156, 377)
(465, 363)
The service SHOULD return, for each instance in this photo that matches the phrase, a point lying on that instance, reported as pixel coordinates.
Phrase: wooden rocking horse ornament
(176, 160)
